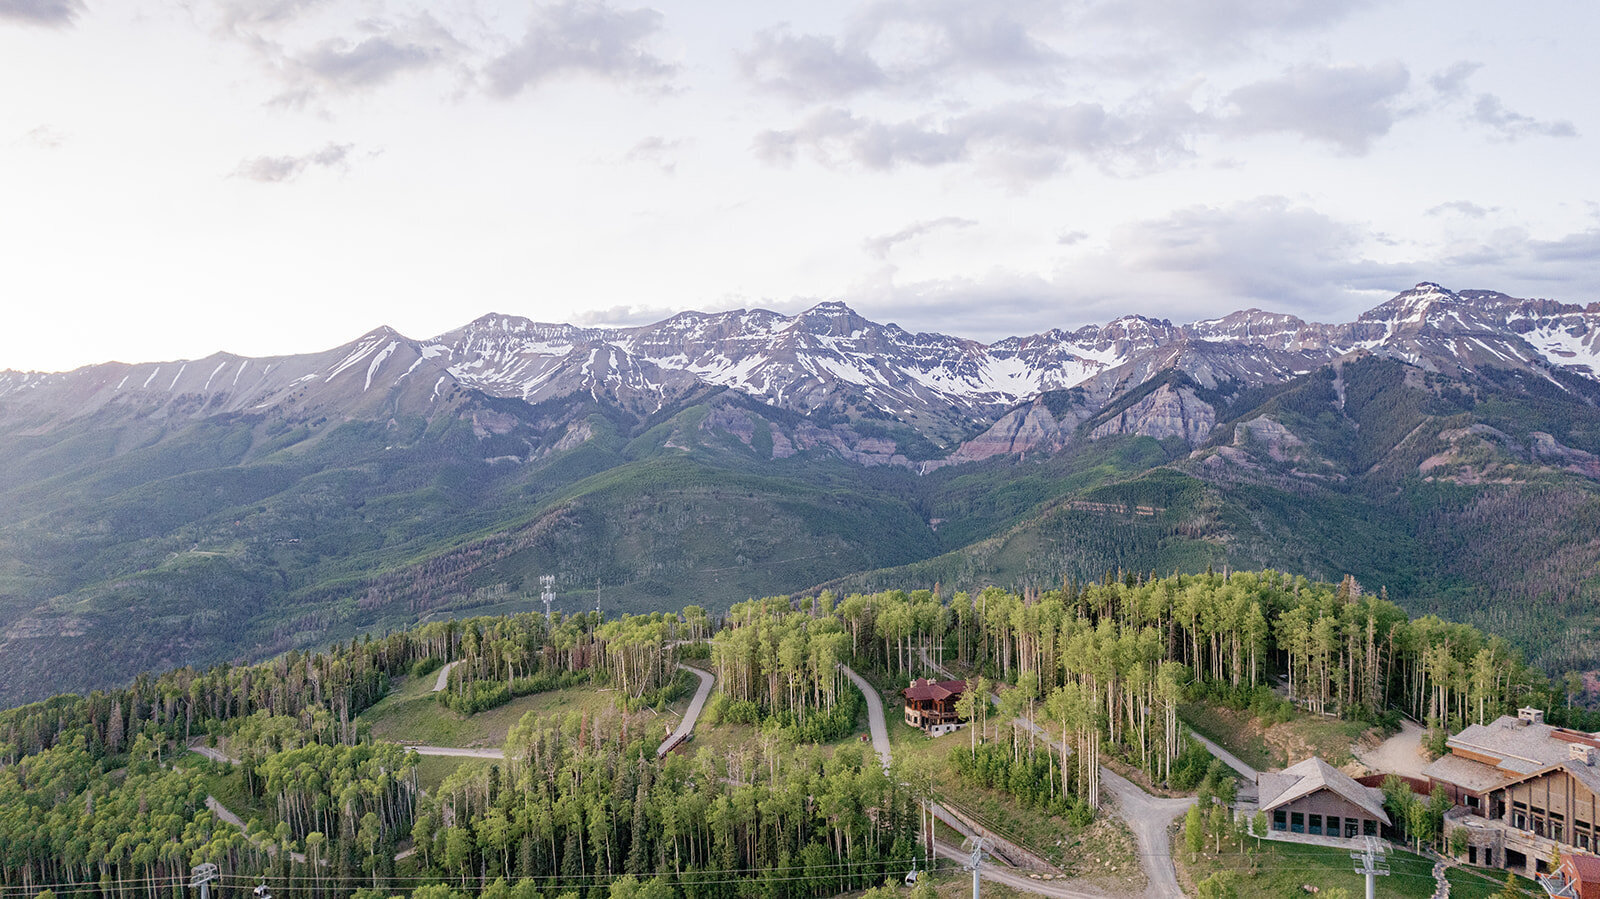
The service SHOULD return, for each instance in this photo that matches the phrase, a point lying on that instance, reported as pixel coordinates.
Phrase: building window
(1316, 825)
(1519, 820)
(1472, 802)
(1297, 822)
(1351, 825)
(1555, 832)
(1369, 827)
(1333, 825)
(1279, 820)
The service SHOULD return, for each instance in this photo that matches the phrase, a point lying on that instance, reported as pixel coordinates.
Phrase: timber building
(1526, 791)
(1314, 798)
(931, 705)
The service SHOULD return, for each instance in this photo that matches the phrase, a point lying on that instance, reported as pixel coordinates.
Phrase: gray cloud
(1452, 82)
(1462, 207)
(880, 246)
(1195, 263)
(1205, 261)
(809, 66)
(1347, 106)
(53, 13)
(581, 37)
(252, 16)
(1216, 26)
(654, 150)
(1489, 111)
(1023, 141)
(368, 63)
(275, 169)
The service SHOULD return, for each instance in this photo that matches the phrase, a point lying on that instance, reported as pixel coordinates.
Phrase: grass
(1285, 869)
(1265, 747)
(433, 769)
(410, 714)
(1479, 883)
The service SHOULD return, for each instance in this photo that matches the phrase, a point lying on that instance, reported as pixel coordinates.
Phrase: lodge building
(1525, 791)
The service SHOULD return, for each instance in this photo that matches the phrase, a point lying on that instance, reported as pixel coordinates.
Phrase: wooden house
(931, 705)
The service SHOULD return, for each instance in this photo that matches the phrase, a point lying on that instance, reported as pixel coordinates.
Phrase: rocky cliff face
(1166, 412)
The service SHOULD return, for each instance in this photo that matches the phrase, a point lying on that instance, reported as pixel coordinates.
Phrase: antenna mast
(548, 593)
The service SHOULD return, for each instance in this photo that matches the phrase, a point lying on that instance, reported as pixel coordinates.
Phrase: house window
(1297, 822)
(1583, 841)
(1351, 825)
(1519, 820)
(1279, 820)
(1316, 825)
(1555, 832)
(1333, 826)
(1472, 802)
(1369, 827)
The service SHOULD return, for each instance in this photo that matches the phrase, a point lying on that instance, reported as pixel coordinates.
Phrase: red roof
(1586, 867)
(927, 689)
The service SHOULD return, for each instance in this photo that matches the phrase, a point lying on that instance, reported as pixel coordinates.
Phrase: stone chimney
(1530, 715)
(1581, 752)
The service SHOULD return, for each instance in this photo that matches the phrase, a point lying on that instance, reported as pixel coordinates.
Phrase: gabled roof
(922, 688)
(1307, 777)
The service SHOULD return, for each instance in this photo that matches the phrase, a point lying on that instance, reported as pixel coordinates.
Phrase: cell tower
(548, 593)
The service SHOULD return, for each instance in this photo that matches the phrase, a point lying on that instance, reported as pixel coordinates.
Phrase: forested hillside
(89, 793)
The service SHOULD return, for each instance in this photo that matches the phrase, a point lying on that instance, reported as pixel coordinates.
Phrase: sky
(263, 177)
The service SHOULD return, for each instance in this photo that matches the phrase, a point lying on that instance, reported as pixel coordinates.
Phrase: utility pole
(1373, 862)
(201, 876)
(547, 593)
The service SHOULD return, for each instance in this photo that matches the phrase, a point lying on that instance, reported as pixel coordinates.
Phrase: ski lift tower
(547, 593)
(1373, 862)
(201, 876)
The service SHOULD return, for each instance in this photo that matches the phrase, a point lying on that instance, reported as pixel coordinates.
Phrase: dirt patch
(1400, 754)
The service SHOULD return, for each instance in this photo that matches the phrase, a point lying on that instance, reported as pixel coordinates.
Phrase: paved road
(880, 733)
(1232, 761)
(686, 727)
(1015, 879)
(444, 677)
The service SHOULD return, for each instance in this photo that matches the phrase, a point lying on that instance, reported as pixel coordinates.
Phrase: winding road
(707, 679)
(875, 723)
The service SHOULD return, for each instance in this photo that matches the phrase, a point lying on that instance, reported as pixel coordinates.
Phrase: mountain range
(1444, 446)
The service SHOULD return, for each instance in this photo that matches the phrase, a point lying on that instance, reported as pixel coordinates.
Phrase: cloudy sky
(272, 176)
